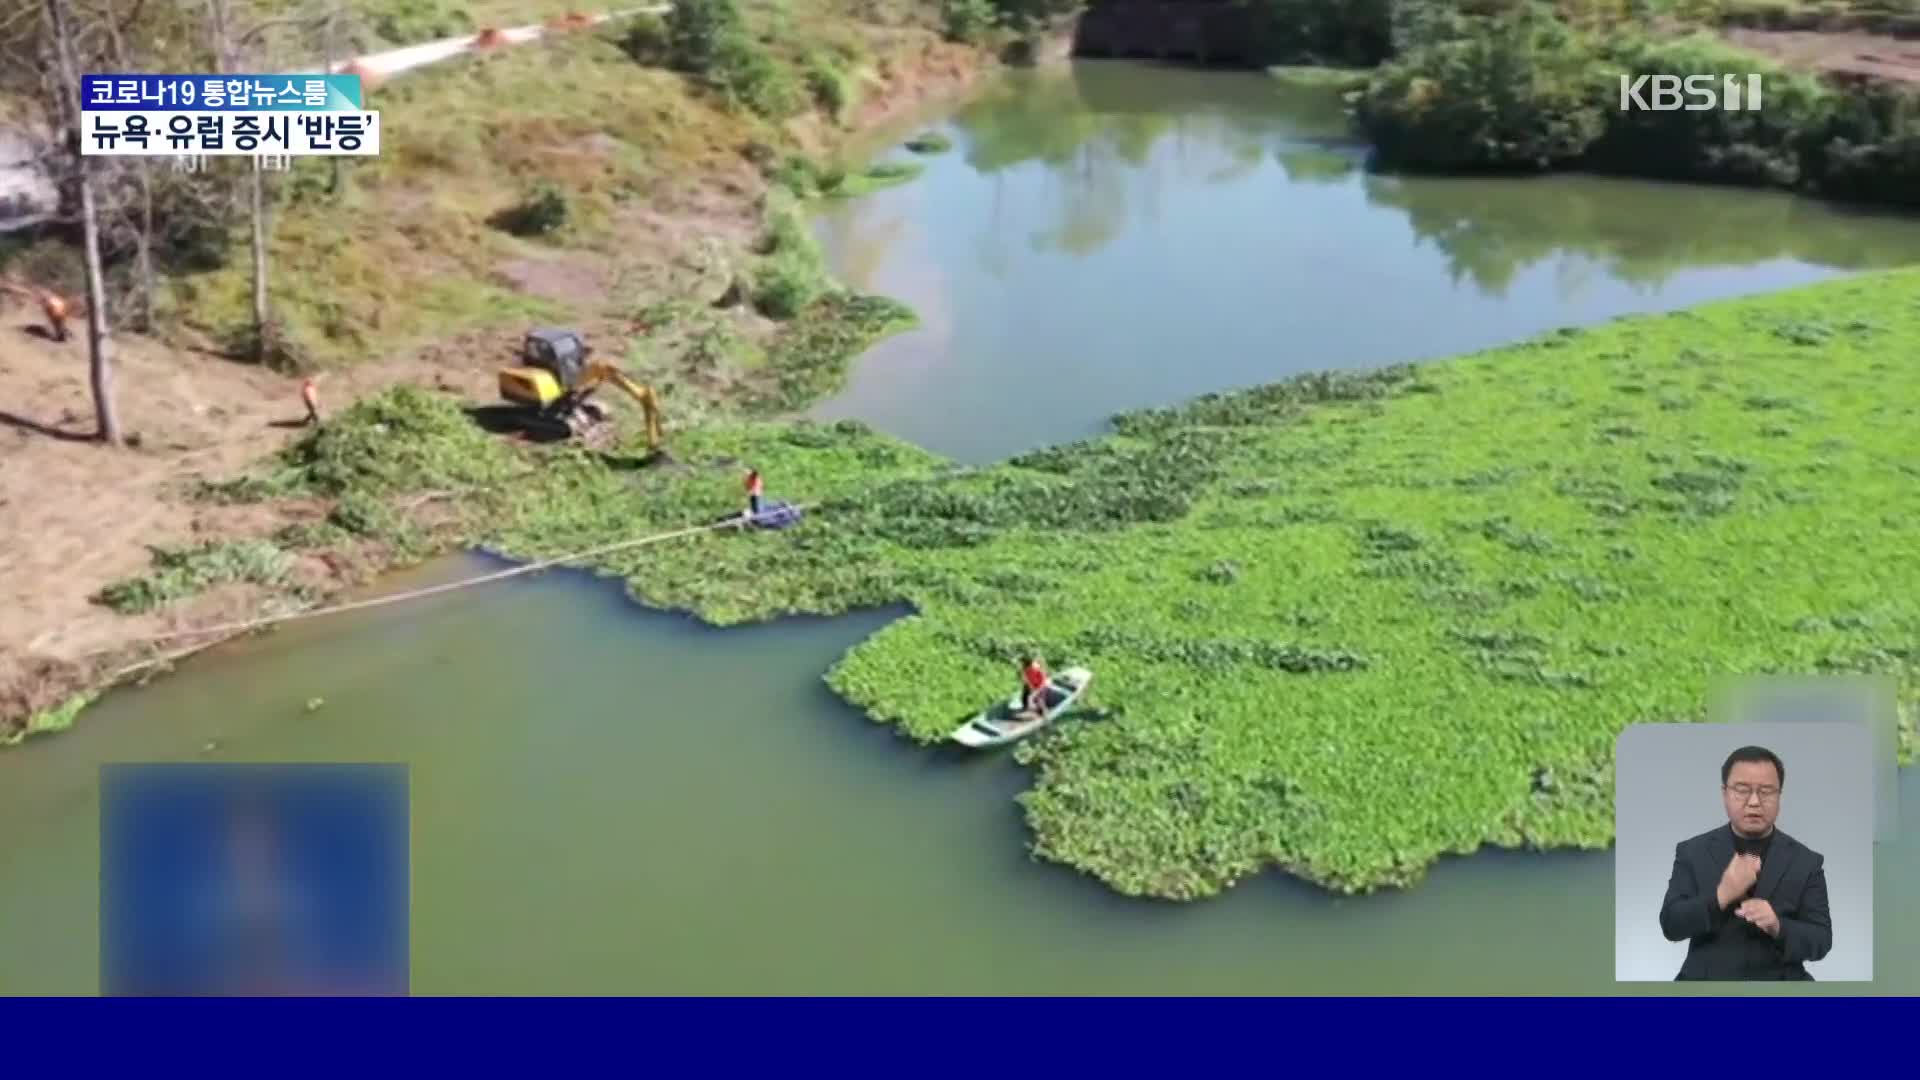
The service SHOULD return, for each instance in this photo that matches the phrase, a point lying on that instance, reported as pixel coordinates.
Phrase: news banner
(189, 117)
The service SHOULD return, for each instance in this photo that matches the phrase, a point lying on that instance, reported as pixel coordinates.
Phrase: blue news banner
(248, 115)
(254, 880)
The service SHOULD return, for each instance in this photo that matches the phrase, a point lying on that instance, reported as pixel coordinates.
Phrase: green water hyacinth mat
(1343, 625)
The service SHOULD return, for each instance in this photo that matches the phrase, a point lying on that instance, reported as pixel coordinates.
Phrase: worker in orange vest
(56, 308)
(310, 394)
(755, 488)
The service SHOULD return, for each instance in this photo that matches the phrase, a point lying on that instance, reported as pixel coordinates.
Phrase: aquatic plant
(1345, 624)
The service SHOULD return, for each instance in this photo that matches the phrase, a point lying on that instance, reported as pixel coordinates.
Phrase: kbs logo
(1695, 93)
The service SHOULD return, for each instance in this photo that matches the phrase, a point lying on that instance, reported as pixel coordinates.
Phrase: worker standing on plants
(755, 489)
(310, 396)
(1033, 684)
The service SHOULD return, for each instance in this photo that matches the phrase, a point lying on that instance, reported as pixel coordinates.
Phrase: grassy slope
(1403, 620)
(403, 254)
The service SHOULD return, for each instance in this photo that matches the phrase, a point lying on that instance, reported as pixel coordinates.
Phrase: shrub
(746, 75)
(1344, 32)
(785, 285)
(541, 212)
(968, 21)
(648, 40)
(1523, 93)
(410, 22)
(1866, 145)
(1752, 147)
(833, 89)
(698, 32)
(793, 274)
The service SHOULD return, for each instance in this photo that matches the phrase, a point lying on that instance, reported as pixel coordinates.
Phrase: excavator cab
(559, 351)
(554, 381)
(552, 363)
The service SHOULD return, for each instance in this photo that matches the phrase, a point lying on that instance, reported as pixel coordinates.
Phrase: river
(669, 808)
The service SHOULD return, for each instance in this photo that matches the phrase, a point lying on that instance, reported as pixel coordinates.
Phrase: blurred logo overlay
(253, 880)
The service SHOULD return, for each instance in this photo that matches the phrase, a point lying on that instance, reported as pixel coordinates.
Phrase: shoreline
(44, 692)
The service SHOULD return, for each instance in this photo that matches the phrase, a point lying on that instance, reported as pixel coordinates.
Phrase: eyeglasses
(1748, 791)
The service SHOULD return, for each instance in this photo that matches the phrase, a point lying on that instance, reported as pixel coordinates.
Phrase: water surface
(1114, 236)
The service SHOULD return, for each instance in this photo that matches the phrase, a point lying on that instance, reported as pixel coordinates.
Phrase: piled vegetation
(1345, 624)
(182, 572)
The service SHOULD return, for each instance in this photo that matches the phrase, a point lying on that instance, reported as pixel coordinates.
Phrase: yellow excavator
(555, 378)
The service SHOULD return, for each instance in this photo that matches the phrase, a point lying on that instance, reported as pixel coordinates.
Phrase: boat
(1007, 721)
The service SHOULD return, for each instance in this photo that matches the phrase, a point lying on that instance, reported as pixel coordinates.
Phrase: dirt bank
(75, 517)
(1878, 56)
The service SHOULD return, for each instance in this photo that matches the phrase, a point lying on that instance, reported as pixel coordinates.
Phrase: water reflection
(1491, 231)
(1114, 136)
(1110, 236)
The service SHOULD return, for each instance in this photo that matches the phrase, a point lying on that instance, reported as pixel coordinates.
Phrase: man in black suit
(1749, 900)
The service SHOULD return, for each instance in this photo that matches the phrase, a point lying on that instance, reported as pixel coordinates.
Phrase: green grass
(401, 252)
(182, 572)
(1347, 624)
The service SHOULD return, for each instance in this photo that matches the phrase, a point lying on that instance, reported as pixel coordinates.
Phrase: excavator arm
(599, 371)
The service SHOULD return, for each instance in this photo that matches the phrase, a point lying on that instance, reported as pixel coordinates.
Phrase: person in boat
(1033, 685)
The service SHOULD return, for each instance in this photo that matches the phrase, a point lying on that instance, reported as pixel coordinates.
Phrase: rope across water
(234, 629)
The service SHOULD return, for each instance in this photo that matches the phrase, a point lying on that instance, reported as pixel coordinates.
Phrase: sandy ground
(76, 516)
(1850, 53)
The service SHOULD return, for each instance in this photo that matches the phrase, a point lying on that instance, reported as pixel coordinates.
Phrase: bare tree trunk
(217, 16)
(143, 312)
(99, 342)
(224, 59)
(262, 332)
(332, 45)
(143, 172)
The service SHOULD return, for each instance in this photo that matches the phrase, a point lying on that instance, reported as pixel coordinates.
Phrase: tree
(141, 306)
(62, 32)
(230, 48)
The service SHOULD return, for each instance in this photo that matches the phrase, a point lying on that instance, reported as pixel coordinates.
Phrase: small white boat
(1007, 721)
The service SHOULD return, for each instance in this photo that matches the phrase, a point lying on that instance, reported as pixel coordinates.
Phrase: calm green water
(608, 800)
(1121, 236)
